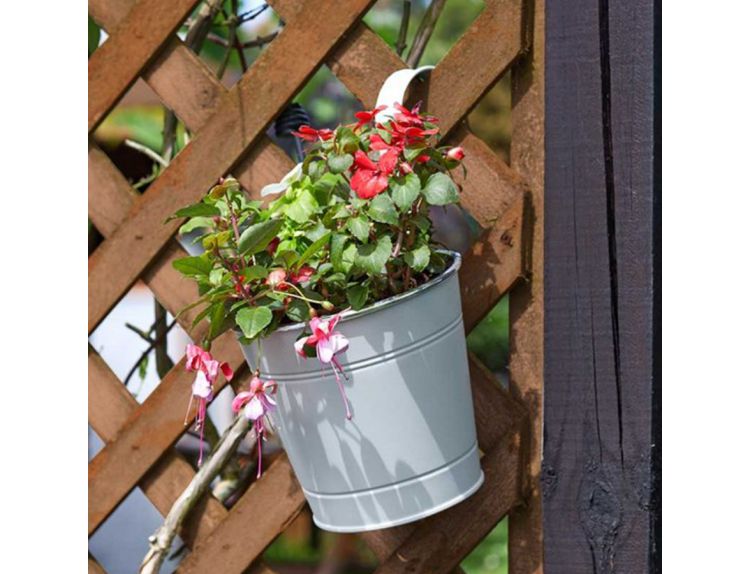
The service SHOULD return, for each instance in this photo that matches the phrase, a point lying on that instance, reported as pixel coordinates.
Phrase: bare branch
(161, 541)
(404, 30)
(424, 32)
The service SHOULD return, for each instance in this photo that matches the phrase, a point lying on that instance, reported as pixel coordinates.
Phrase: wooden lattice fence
(229, 127)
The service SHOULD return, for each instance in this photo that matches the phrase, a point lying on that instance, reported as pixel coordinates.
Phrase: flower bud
(327, 305)
(456, 153)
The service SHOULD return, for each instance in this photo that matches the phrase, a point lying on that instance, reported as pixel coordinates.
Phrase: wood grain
(600, 296)
(115, 65)
(525, 539)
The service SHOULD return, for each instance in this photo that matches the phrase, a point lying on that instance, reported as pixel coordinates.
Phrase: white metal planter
(410, 449)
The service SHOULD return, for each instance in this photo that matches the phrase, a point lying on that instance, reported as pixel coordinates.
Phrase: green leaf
(218, 314)
(252, 320)
(382, 209)
(256, 237)
(195, 223)
(298, 311)
(373, 256)
(418, 258)
(254, 272)
(94, 36)
(405, 191)
(343, 253)
(302, 207)
(360, 228)
(357, 296)
(440, 190)
(198, 266)
(196, 210)
(339, 163)
(315, 246)
(347, 140)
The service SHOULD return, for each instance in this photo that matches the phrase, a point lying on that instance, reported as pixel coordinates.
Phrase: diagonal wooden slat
(95, 567)
(240, 118)
(111, 199)
(115, 65)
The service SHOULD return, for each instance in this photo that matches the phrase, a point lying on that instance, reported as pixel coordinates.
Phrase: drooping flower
(310, 134)
(327, 343)
(257, 403)
(201, 362)
(455, 153)
(369, 178)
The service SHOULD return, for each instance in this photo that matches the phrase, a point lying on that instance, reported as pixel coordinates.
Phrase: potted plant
(349, 316)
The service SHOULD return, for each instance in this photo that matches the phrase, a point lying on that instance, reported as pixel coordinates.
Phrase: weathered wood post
(601, 314)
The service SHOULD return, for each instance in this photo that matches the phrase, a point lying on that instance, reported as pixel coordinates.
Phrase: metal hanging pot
(410, 449)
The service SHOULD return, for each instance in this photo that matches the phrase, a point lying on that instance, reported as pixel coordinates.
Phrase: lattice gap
(491, 121)
(256, 33)
(457, 15)
(123, 349)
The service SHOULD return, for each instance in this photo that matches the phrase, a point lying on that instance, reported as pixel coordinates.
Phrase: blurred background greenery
(137, 123)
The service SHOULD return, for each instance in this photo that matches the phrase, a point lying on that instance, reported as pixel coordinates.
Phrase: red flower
(302, 275)
(370, 178)
(456, 153)
(365, 117)
(311, 134)
(407, 117)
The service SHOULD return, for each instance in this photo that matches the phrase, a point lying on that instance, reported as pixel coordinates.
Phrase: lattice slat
(116, 64)
(492, 192)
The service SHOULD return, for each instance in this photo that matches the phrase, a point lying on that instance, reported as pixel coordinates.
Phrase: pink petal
(325, 350)
(201, 386)
(338, 342)
(254, 409)
(240, 400)
(227, 371)
(364, 162)
(211, 368)
(299, 345)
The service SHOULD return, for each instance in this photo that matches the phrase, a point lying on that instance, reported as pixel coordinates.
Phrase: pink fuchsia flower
(327, 343)
(200, 361)
(455, 153)
(311, 134)
(371, 179)
(257, 403)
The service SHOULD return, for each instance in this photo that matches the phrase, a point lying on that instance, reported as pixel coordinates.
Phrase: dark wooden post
(600, 495)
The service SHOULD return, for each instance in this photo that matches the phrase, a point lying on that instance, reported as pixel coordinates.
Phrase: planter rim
(390, 301)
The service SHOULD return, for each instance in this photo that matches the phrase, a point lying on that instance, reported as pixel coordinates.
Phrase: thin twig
(147, 151)
(404, 29)
(161, 541)
(424, 32)
(147, 351)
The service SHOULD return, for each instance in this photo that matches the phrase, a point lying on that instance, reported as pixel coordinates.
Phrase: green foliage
(349, 227)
